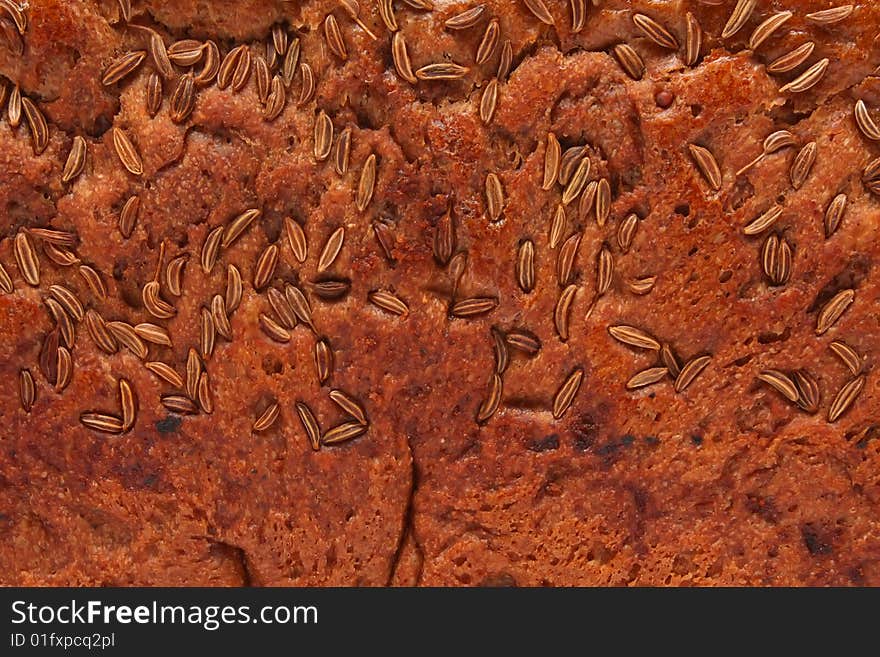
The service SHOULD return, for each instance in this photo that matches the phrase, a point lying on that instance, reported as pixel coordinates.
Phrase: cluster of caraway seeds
(188, 65)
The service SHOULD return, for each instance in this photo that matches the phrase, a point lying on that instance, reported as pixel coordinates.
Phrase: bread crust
(723, 483)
